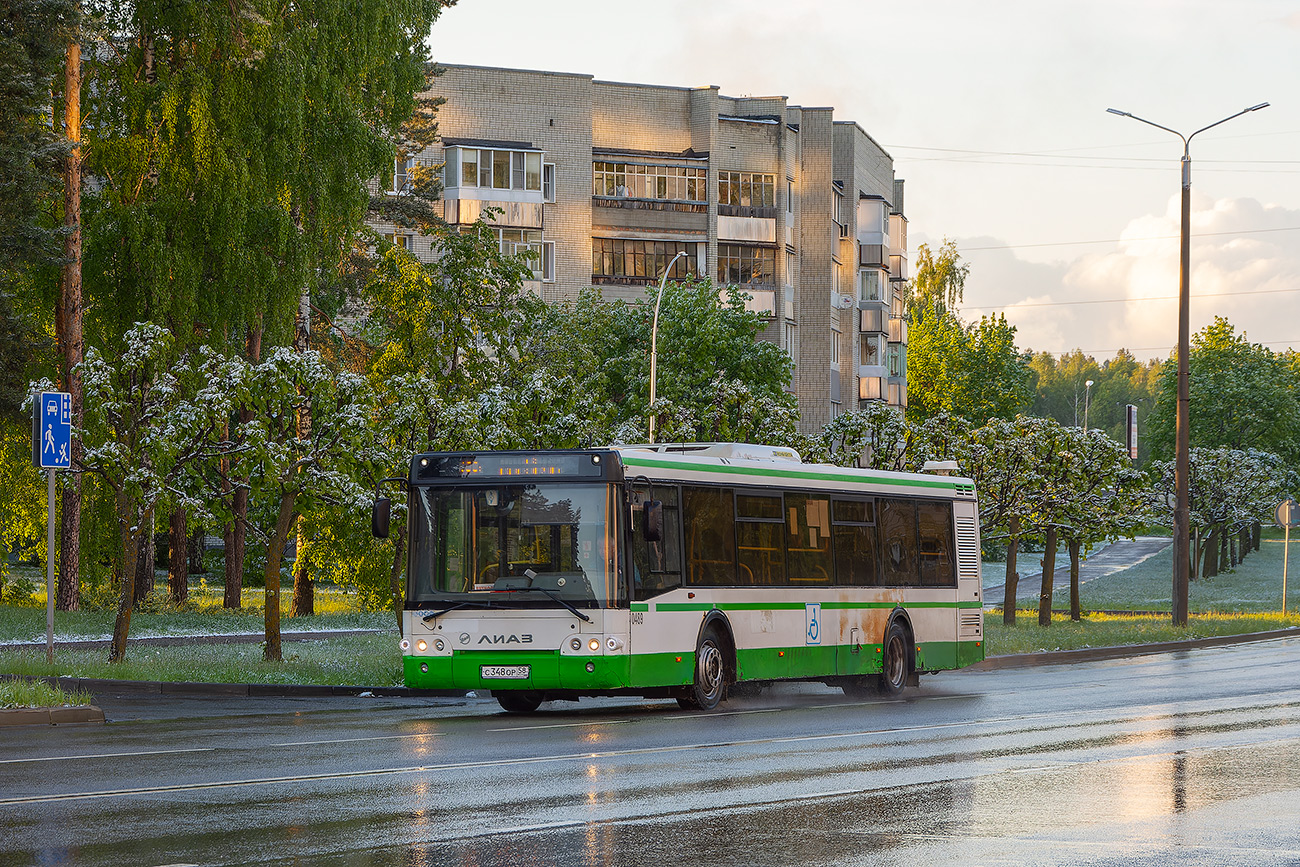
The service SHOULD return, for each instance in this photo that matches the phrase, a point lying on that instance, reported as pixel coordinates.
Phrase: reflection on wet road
(1192, 756)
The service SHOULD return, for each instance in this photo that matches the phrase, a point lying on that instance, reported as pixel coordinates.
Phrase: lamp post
(1182, 531)
(1087, 394)
(654, 338)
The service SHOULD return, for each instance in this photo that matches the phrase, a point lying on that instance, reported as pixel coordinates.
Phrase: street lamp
(1087, 392)
(654, 337)
(1182, 532)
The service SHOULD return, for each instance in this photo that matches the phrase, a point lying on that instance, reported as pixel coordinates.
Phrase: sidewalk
(1116, 557)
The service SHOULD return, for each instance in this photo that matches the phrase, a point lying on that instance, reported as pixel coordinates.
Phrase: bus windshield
(526, 544)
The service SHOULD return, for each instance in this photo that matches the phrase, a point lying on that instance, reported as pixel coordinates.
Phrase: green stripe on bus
(799, 606)
(810, 475)
(549, 670)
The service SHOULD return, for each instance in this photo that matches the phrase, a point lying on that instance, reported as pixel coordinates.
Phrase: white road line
(105, 756)
(356, 740)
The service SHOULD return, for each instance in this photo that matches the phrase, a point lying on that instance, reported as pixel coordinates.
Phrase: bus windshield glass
(527, 545)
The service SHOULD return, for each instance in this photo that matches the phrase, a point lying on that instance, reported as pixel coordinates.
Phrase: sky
(995, 115)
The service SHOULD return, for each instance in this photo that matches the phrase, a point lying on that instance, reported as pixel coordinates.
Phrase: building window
(835, 346)
(548, 261)
(524, 242)
(666, 183)
(746, 189)
(869, 346)
(787, 337)
(894, 354)
(495, 169)
(871, 388)
(616, 260)
(548, 182)
(872, 285)
(398, 240)
(789, 196)
(402, 167)
(746, 266)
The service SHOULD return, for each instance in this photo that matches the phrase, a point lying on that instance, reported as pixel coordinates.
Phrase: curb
(1092, 654)
(51, 716)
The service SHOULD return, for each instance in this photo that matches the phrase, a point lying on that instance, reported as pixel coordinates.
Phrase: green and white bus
(682, 570)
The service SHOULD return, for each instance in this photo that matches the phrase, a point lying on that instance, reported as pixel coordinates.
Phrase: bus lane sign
(52, 431)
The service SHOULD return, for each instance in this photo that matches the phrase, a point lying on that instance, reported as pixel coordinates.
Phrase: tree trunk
(68, 322)
(237, 530)
(1076, 611)
(304, 591)
(144, 559)
(178, 563)
(1049, 576)
(194, 553)
(126, 588)
(1255, 531)
(274, 554)
(1232, 550)
(1013, 577)
(1210, 559)
(395, 576)
(1223, 550)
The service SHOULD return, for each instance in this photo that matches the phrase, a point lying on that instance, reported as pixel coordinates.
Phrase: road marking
(356, 740)
(105, 756)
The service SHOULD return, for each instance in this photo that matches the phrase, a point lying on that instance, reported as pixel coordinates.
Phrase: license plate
(504, 672)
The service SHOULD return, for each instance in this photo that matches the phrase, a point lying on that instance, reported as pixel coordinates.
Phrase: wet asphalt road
(1191, 757)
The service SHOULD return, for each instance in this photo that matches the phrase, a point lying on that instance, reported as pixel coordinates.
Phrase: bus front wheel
(513, 701)
(710, 680)
(896, 663)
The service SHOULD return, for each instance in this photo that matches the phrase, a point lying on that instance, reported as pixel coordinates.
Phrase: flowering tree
(149, 421)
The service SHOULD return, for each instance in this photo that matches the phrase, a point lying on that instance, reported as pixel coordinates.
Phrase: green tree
(33, 37)
(1243, 396)
(939, 279)
(974, 372)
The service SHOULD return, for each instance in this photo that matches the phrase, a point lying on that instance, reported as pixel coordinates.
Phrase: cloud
(1245, 266)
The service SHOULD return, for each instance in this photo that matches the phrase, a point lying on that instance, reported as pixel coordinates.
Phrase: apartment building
(608, 182)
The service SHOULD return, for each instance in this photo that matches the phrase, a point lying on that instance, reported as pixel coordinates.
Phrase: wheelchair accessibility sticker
(813, 618)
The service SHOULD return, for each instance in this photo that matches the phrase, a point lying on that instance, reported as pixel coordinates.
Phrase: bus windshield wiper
(531, 575)
(555, 598)
(429, 618)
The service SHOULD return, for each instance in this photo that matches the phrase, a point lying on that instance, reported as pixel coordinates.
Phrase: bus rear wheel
(896, 663)
(521, 701)
(710, 674)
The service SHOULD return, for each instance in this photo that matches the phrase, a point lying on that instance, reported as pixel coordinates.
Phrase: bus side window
(656, 566)
(898, 542)
(855, 543)
(934, 543)
(710, 525)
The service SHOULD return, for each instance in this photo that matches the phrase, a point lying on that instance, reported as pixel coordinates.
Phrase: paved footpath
(1115, 557)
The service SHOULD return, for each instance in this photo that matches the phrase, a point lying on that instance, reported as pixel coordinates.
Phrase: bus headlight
(614, 643)
(421, 645)
(575, 644)
(438, 645)
(404, 644)
(594, 644)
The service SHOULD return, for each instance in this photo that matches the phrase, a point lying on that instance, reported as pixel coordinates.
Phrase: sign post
(51, 450)
(1287, 516)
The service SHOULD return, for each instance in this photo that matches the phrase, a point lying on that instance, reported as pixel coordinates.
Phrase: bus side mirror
(379, 515)
(652, 525)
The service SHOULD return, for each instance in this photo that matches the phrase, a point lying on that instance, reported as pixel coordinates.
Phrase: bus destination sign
(505, 465)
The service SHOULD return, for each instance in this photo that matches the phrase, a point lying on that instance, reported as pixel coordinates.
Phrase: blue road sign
(52, 431)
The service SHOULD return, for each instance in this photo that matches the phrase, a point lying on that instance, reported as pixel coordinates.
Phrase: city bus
(688, 571)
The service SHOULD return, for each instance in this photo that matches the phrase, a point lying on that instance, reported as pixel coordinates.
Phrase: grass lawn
(354, 660)
(21, 693)
(1255, 585)
(202, 615)
(1112, 630)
